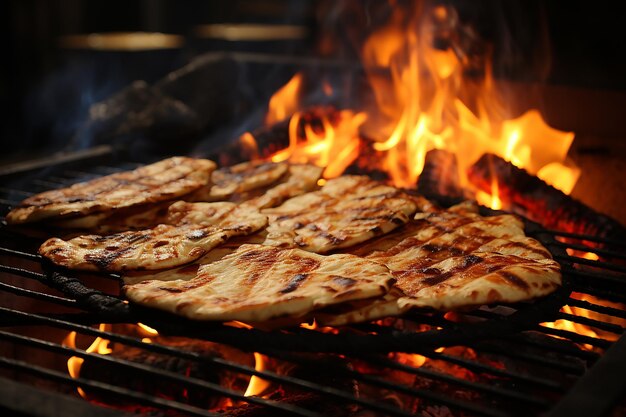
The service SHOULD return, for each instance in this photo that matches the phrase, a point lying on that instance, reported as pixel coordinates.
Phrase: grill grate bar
(609, 311)
(562, 365)
(590, 276)
(608, 327)
(104, 388)
(583, 248)
(575, 337)
(159, 348)
(383, 383)
(590, 238)
(570, 350)
(67, 302)
(596, 264)
(20, 254)
(151, 370)
(490, 389)
(587, 288)
(480, 367)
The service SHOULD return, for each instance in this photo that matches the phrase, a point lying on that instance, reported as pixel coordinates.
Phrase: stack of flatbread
(262, 243)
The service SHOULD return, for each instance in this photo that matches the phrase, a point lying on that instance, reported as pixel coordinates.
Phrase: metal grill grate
(515, 366)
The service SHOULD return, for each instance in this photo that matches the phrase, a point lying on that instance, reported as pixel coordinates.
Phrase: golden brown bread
(258, 283)
(161, 181)
(346, 211)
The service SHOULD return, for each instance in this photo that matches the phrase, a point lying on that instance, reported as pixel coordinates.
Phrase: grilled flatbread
(131, 218)
(300, 179)
(257, 283)
(189, 271)
(346, 211)
(164, 246)
(164, 180)
(458, 261)
(229, 182)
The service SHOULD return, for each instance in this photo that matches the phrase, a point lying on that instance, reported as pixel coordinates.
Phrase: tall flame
(424, 101)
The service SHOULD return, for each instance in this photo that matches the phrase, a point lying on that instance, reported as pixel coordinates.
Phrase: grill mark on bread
(515, 280)
(256, 283)
(146, 185)
(340, 215)
(294, 283)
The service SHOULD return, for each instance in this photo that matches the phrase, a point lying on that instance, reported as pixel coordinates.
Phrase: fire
(257, 385)
(581, 312)
(424, 100)
(99, 345)
(333, 144)
(284, 102)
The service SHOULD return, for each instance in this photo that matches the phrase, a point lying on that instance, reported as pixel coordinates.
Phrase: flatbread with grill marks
(258, 283)
(300, 179)
(346, 211)
(458, 261)
(164, 246)
(232, 181)
(163, 180)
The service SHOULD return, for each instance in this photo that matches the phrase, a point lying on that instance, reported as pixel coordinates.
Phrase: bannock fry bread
(258, 283)
(346, 211)
(163, 180)
(458, 261)
(164, 246)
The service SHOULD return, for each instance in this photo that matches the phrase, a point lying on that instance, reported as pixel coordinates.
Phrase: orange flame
(425, 101)
(284, 102)
(257, 385)
(330, 144)
(99, 345)
(582, 312)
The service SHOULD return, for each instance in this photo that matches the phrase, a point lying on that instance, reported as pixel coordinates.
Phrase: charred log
(440, 177)
(529, 196)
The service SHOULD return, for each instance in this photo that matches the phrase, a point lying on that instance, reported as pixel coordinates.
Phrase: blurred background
(62, 56)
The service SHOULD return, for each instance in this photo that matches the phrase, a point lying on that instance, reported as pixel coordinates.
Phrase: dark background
(45, 89)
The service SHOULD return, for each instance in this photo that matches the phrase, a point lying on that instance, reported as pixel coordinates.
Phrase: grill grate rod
(598, 251)
(582, 339)
(572, 336)
(608, 327)
(569, 350)
(590, 238)
(67, 302)
(596, 264)
(379, 382)
(591, 276)
(20, 254)
(103, 388)
(162, 349)
(154, 371)
(609, 311)
(566, 366)
(482, 368)
(478, 386)
(607, 294)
